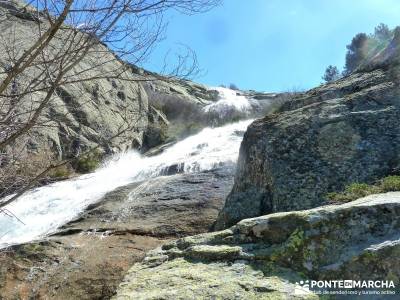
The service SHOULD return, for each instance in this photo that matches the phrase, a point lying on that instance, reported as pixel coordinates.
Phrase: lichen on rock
(340, 133)
(263, 257)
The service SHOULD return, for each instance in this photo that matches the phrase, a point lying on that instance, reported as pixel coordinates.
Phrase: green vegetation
(358, 190)
(60, 172)
(331, 74)
(30, 251)
(89, 162)
(390, 184)
(361, 49)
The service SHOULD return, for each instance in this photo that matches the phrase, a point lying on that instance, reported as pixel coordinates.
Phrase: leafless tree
(71, 44)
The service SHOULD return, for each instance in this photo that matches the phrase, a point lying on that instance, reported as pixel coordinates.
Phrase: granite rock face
(180, 279)
(261, 258)
(186, 90)
(103, 107)
(339, 133)
(82, 114)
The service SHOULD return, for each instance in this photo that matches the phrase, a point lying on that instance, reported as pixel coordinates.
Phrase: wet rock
(88, 257)
(159, 149)
(173, 169)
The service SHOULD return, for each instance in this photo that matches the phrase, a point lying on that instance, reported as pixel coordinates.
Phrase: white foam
(229, 100)
(46, 208)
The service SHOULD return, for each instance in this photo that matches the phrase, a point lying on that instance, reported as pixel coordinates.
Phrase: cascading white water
(229, 101)
(46, 208)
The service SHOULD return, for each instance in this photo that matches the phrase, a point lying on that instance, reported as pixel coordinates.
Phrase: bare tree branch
(70, 49)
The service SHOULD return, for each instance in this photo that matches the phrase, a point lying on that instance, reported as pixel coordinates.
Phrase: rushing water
(229, 100)
(46, 208)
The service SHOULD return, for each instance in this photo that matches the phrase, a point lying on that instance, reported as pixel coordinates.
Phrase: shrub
(382, 32)
(60, 172)
(356, 52)
(352, 192)
(355, 191)
(175, 107)
(331, 74)
(390, 184)
(18, 167)
(89, 162)
(359, 190)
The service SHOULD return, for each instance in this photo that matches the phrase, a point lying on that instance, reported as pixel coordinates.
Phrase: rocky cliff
(113, 111)
(319, 142)
(83, 114)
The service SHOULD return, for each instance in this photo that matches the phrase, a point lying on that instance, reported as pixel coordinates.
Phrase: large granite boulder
(262, 258)
(339, 133)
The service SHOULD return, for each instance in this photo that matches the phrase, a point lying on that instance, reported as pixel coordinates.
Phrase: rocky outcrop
(104, 107)
(186, 90)
(157, 130)
(181, 101)
(88, 258)
(319, 142)
(180, 279)
(261, 258)
(83, 114)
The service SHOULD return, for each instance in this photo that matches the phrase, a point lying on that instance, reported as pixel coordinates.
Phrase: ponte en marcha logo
(359, 287)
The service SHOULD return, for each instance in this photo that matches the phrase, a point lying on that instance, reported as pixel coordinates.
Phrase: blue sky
(273, 45)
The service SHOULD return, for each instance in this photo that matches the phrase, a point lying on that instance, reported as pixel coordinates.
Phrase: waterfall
(229, 102)
(46, 208)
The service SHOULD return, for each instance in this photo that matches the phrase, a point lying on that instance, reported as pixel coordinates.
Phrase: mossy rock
(263, 257)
